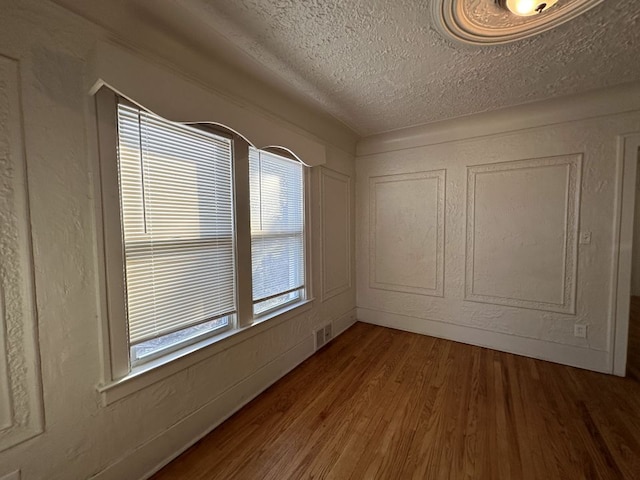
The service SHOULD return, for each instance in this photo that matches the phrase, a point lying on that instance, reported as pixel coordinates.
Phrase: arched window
(204, 234)
(277, 230)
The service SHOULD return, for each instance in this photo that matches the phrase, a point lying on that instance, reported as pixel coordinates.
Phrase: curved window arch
(208, 237)
(277, 229)
(177, 98)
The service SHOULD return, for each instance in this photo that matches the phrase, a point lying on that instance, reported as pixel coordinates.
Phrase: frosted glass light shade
(527, 8)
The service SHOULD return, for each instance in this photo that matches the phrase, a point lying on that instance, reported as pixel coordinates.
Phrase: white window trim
(149, 373)
(120, 378)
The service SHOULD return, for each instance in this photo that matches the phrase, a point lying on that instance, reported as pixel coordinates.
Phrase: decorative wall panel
(522, 231)
(335, 193)
(5, 398)
(20, 392)
(407, 232)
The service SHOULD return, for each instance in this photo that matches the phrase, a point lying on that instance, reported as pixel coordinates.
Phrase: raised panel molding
(524, 216)
(6, 414)
(407, 253)
(21, 414)
(335, 204)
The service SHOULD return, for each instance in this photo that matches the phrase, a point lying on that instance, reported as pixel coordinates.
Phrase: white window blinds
(277, 229)
(178, 228)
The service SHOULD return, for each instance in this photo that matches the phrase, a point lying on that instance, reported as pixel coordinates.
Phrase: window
(209, 236)
(277, 230)
(176, 201)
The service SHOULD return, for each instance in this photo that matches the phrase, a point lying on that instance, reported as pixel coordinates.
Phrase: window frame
(305, 247)
(233, 318)
(119, 369)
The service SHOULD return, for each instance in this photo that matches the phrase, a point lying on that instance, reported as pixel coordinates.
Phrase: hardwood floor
(633, 355)
(384, 404)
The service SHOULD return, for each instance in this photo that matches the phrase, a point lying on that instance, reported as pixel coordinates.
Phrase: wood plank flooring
(384, 404)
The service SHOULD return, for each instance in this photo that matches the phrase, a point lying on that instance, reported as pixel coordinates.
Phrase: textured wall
(635, 270)
(515, 276)
(337, 227)
(20, 393)
(407, 232)
(48, 47)
(522, 232)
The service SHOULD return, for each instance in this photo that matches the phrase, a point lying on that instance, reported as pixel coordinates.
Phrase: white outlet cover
(12, 476)
(585, 238)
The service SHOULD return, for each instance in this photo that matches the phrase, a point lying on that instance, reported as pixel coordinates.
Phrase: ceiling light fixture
(492, 22)
(527, 8)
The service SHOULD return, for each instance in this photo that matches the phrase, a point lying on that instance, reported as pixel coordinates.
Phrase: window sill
(161, 368)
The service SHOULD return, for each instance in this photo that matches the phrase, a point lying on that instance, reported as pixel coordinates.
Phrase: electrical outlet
(585, 238)
(580, 331)
(319, 340)
(12, 476)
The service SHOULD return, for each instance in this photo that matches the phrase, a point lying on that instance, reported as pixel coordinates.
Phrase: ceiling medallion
(490, 22)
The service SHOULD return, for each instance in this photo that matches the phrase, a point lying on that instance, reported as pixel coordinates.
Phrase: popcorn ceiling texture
(380, 65)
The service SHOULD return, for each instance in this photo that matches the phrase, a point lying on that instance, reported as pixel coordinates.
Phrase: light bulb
(526, 8)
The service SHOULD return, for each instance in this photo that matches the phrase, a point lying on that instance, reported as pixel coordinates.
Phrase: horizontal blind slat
(176, 192)
(277, 227)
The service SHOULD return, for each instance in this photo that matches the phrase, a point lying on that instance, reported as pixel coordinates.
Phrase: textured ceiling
(380, 65)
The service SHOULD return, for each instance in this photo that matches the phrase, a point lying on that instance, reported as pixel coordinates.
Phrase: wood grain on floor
(385, 404)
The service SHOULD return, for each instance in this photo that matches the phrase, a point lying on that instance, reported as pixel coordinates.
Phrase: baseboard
(344, 322)
(585, 358)
(162, 449)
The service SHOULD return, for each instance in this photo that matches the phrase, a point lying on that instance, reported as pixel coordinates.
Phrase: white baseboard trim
(585, 358)
(162, 449)
(159, 451)
(344, 322)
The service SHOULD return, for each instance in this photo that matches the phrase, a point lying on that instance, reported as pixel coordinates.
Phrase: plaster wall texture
(635, 269)
(515, 276)
(20, 412)
(81, 437)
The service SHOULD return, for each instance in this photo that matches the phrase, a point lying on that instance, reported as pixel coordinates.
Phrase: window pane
(177, 216)
(276, 302)
(277, 229)
(148, 348)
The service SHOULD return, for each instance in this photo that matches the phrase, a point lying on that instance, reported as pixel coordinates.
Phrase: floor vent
(328, 333)
(324, 335)
(319, 338)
